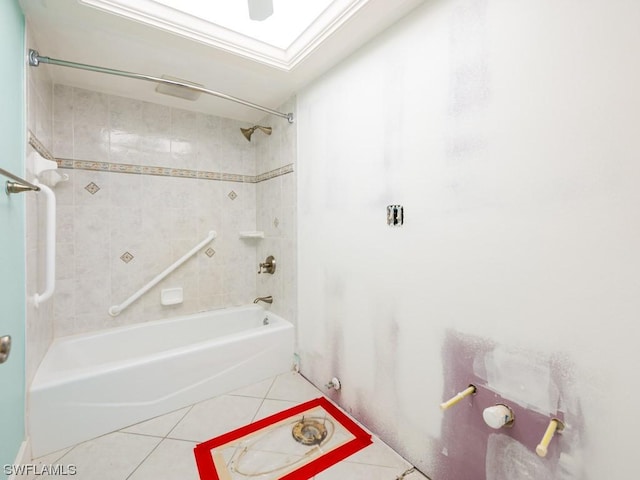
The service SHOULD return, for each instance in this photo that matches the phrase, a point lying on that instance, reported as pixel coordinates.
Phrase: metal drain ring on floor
(237, 460)
(309, 431)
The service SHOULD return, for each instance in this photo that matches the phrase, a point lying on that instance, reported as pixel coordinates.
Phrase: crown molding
(152, 13)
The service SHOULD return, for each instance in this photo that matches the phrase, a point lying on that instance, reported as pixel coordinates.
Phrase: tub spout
(268, 299)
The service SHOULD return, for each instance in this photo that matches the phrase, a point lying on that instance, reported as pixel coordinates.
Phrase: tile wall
(276, 212)
(39, 321)
(147, 183)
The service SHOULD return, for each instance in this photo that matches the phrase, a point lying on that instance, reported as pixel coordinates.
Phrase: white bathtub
(92, 384)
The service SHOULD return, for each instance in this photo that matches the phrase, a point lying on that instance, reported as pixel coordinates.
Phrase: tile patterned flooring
(163, 446)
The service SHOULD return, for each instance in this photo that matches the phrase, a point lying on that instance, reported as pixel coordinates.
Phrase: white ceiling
(152, 38)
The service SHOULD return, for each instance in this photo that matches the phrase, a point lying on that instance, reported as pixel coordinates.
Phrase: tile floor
(163, 446)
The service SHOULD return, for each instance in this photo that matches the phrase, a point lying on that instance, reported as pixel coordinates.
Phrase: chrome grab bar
(18, 185)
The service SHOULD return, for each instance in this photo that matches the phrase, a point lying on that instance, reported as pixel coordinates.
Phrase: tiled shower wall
(276, 212)
(148, 183)
(39, 322)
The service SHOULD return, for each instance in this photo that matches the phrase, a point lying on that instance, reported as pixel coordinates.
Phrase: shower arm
(35, 59)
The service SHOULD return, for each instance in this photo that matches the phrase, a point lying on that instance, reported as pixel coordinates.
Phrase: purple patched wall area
(470, 449)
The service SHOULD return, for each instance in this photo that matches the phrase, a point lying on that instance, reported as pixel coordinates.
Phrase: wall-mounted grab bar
(18, 185)
(116, 309)
(50, 253)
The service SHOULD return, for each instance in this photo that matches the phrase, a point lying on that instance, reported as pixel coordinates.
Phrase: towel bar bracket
(15, 187)
(18, 185)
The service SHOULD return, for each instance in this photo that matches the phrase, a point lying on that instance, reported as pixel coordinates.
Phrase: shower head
(247, 132)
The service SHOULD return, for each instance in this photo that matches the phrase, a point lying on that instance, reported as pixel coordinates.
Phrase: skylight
(289, 20)
(285, 38)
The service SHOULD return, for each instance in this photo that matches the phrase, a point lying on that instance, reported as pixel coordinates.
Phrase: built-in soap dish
(252, 234)
(171, 296)
(46, 171)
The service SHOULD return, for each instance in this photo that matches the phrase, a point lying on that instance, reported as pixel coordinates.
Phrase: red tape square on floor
(207, 467)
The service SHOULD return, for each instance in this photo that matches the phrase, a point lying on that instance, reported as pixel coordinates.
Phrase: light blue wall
(12, 248)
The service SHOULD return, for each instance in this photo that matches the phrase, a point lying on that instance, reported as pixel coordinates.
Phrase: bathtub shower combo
(91, 384)
(95, 383)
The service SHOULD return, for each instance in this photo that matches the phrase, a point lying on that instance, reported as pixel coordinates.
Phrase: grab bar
(18, 185)
(116, 309)
(50, 255)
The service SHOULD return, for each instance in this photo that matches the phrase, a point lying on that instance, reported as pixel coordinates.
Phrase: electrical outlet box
(395, 215)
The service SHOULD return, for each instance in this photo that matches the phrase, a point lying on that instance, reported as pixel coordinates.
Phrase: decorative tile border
(274, 173)
(38, 146)
(171, 172)
(150, 170)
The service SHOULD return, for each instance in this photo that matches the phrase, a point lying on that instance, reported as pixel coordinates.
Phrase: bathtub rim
(45, 377)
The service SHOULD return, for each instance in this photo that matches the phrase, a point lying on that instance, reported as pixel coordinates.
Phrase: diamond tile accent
(276, 222)
(126, 257)
(210, 252)
(92, 188)
(232, 195)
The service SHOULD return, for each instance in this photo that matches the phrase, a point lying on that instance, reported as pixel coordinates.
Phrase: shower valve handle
(269, 265)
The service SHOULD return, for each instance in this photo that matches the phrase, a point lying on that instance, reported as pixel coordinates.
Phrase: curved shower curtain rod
(35, 59)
